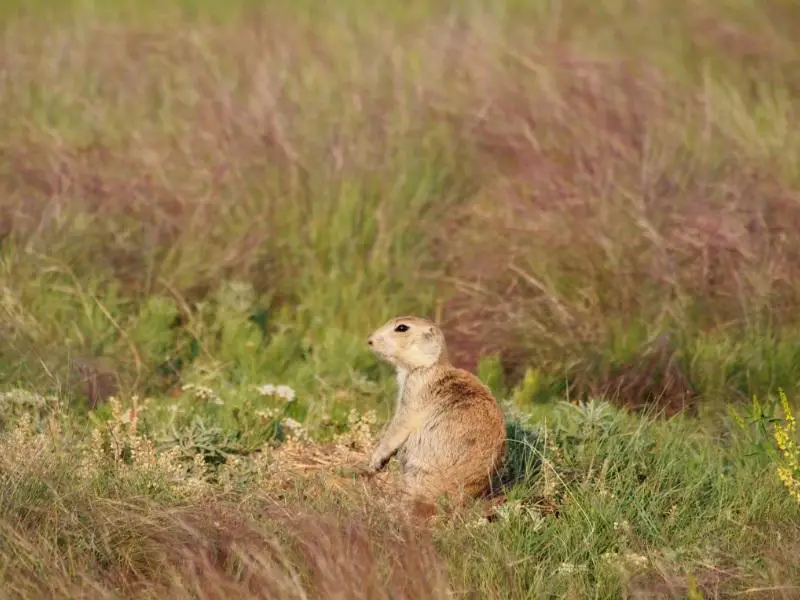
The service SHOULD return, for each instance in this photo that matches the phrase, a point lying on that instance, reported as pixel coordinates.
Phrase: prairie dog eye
(401, 328)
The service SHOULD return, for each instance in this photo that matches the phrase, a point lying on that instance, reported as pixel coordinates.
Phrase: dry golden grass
(224, 549)
(604, 194)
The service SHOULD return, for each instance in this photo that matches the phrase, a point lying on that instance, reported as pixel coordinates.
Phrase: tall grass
(562, 185)
(599, 503)
(599, 201)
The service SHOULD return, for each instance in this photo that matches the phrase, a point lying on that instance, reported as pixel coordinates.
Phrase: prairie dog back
(448, 431)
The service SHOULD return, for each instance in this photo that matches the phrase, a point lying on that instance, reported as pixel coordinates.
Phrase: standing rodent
(448, 430)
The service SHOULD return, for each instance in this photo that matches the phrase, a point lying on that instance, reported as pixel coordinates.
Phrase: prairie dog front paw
(376, 463)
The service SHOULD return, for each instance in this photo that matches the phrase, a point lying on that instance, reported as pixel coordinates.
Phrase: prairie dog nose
(369, 340)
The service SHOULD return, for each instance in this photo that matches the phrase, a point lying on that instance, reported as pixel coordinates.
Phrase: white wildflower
(281, 391)
(203, 392)
(267, 415)
(285, 392)
(295, 427)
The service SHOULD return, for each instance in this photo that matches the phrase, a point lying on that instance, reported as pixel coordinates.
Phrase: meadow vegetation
(205, 208)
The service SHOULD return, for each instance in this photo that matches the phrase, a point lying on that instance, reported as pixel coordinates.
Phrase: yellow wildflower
(786, 439)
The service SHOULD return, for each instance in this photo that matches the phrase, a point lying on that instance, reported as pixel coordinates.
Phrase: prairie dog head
(409, 343)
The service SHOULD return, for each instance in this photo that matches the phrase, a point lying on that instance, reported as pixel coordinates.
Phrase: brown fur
(448, 431)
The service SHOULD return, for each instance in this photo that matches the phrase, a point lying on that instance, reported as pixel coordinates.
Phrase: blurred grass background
(562, 184)
(595, 199)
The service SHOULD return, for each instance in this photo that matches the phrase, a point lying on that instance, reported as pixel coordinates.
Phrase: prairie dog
(448, 431)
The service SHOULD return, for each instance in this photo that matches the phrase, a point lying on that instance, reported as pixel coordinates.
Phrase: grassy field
(600, 202)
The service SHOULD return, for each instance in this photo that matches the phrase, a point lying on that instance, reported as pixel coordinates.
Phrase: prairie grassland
(600, 201)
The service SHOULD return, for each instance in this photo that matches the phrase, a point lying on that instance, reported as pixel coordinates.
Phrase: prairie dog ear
(430, 333)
